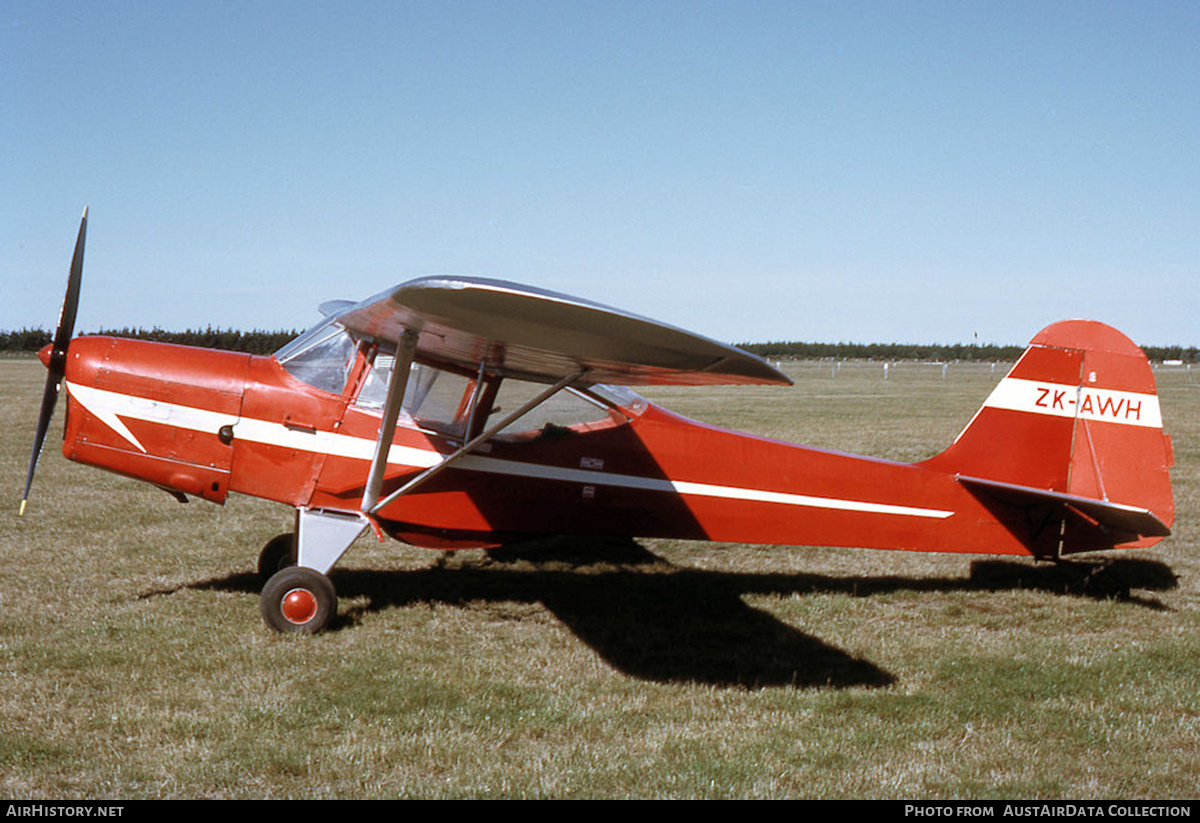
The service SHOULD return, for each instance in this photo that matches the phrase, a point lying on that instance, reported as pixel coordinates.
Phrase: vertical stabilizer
(1077, 417)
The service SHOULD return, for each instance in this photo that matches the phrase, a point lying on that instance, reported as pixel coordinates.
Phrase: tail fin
(1073, 435)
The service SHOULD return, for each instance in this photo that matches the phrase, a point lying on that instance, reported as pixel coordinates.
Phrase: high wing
(533, 334)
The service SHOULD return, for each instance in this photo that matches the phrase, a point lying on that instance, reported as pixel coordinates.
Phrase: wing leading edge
(533, 334)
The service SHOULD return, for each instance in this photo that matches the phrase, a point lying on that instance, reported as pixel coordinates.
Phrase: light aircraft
(453, 412)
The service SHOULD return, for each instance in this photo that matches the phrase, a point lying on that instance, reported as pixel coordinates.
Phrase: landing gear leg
(298, 597)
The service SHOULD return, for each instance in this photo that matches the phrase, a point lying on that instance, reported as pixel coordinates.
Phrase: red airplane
(457, 412)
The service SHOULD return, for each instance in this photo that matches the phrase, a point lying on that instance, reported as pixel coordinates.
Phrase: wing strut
(468, 447)
(475, 393)
(406, 349)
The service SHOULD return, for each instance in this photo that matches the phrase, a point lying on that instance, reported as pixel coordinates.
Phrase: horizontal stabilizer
(1128, 519)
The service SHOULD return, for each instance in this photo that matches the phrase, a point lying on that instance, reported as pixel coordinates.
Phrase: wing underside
(532, 334)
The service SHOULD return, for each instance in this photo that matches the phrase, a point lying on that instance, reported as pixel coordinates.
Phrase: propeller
(58, 355)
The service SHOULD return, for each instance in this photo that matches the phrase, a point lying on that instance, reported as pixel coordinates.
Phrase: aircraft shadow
(1093, 578)
(659, 622)
(644, 617)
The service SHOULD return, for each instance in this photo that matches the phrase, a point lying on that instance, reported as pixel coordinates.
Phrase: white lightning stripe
(107, 405)
(331, 443)
(1063, 400)
(629, 481)
(110, 407)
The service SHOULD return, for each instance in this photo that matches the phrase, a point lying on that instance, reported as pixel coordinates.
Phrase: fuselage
(206, 423)
(463, 412)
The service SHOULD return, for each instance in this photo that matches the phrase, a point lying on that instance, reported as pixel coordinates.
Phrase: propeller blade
(58, 356)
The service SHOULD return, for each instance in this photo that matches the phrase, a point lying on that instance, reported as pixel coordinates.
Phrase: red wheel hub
(298, 606)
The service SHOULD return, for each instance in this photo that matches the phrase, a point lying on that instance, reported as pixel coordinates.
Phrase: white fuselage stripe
(109, 407)
(1083, 402)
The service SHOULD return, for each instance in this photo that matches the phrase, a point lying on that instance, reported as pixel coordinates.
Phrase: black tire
(298, 600)
(278, 554)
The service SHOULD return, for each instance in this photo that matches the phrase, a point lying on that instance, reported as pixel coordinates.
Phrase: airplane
(456, 412)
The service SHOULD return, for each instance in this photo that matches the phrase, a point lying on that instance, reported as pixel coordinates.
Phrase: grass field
(134, 663)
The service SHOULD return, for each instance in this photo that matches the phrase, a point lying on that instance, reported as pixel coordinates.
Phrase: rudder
(1075, 428)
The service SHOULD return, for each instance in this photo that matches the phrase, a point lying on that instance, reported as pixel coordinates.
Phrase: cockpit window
(554, 416)
(447, 402)
(434, 398)
(620, 396)
(321, 357)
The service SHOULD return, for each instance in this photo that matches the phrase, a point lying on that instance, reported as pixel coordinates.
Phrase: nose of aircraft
(45, 353)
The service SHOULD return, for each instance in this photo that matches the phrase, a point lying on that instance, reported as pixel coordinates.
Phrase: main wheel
(279, 553)
(299, 600)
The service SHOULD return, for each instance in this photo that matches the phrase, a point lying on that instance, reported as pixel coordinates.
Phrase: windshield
(321, 357)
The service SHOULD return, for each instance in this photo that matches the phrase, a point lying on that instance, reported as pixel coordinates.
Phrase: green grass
(134, 663)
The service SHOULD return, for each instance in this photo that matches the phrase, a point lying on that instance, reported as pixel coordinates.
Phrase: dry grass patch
(135, 664)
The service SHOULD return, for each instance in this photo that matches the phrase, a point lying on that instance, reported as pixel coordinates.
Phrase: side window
(374, 388)
(433, 398)
(440, 400)
(567, 408)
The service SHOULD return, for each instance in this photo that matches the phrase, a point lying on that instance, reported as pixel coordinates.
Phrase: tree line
(266, 342)
(925, 353)
(882, 351)
(253, 342)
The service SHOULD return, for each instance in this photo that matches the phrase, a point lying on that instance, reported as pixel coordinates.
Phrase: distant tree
(24, 340)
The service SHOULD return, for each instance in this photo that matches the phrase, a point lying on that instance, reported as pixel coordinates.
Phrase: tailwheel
(298, 600)
(279, 553)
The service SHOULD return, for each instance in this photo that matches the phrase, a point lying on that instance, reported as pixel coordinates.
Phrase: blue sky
(833, 171)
